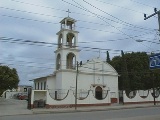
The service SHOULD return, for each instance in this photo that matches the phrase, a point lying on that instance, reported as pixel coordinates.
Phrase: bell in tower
(68, 23)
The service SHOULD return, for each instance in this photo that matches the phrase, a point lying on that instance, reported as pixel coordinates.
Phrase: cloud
(39, 21)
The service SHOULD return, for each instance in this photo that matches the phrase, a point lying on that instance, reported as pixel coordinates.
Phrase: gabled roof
(97, 66)
(50, 75)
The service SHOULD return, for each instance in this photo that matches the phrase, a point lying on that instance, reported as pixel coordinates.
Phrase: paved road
(13, 106)
(152, 113)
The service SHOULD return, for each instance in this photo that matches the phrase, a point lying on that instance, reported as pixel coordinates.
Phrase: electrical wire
(98, 16)
(54, 9)
(41, 43)
(142, 4)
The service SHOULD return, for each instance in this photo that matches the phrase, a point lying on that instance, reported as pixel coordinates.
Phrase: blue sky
(112, 25)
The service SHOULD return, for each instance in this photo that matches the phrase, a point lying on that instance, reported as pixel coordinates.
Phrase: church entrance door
(98, 92)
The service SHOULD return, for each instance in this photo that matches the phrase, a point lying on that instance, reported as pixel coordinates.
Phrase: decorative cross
(68, 12)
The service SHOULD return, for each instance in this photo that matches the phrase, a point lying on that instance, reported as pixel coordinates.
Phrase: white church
(90, 83)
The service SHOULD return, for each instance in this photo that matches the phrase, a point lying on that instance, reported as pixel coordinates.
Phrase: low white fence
(67, 98)
(141, 96)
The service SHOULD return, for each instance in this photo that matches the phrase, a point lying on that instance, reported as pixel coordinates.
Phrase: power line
(54, 9)
(108, 14)
(47, 15)
(41, 43)
(27, 65)
(126, 23)
(28, 19)
(142, 3)
(77, 27)
(28, 62)
(47, 7)
(120, 7)
(28, 57)
(50, 8)
(100, 17)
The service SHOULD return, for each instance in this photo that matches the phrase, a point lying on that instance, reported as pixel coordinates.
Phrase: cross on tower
(68, 12)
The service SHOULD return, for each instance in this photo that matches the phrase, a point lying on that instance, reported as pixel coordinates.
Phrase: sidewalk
(19, 107)
(90, 109)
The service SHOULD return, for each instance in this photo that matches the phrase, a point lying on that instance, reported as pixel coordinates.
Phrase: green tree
(134, 71)
(8, 78)
(124, 73)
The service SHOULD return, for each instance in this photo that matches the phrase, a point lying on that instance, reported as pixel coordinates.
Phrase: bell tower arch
(67, 52)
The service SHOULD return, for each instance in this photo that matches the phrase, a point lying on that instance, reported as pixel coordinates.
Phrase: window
(38, 85)
(35, 86)
(41, 85)
(44, 85)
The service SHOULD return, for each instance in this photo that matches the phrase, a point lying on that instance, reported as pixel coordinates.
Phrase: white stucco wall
(87, 77)
(51, 82)
(138, 99)
(91, 74)
(70, 99)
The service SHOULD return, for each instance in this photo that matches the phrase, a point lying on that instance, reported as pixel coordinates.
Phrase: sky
(28, 31)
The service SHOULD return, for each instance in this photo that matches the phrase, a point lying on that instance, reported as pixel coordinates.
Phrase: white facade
(94, 77)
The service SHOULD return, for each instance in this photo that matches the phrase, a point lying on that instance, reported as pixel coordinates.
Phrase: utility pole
(154, 96)
(76, 87)
(155, 13)
(145, 18)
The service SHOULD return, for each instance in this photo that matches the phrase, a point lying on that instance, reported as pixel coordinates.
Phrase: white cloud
(35, 30)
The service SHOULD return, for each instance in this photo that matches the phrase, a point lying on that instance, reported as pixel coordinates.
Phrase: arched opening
(68, 24)
(71, 61)
(60, 40)
(71, 40)
(98, 93)
(58, 62)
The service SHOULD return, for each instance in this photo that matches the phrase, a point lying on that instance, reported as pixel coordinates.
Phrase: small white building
(95, 82)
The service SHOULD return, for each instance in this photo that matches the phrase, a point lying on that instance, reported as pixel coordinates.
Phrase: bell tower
(67, 45)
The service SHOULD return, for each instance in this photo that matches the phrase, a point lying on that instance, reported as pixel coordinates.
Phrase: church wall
(112, 83)
(69, 101)
(137, 99)
(51, 82)
(98, 66)
(95, 76)
(86, 80)
(69, 79)
(58, 82)
(40, 95)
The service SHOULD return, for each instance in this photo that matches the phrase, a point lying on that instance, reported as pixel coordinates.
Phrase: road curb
(91, 110)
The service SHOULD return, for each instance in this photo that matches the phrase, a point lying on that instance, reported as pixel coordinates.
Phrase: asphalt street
(13, 106)
(151, 113)
(12, 109)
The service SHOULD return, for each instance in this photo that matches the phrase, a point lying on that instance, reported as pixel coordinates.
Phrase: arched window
(58, 62)
(71, 40)
(71, 61)
(98, 93)
(60, 40)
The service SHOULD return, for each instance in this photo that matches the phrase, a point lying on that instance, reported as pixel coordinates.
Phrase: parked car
(22, 96)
